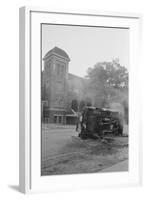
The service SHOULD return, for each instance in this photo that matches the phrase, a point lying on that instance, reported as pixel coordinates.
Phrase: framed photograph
(79, 100)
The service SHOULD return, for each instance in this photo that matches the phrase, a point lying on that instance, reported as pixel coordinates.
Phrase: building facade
(59, 88)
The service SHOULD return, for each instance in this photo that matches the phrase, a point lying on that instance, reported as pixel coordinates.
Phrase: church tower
(56, 74)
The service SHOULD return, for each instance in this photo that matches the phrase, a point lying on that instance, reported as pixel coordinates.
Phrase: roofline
(52, 53)
(77, 76)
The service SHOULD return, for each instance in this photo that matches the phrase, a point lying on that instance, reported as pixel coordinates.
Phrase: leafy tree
(107, 81)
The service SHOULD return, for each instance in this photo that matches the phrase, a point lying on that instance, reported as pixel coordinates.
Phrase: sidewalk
(122, 166)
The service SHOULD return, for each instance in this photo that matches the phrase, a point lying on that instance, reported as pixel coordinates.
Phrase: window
(60, 119)
(60, 70)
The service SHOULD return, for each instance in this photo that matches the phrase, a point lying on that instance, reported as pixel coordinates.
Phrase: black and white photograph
(84, 99)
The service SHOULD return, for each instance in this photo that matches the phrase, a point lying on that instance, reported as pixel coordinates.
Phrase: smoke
(120, 104)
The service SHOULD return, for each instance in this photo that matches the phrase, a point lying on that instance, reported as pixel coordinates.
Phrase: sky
(87, 45)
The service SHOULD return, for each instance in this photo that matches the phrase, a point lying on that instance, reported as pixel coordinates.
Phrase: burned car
(97, 123)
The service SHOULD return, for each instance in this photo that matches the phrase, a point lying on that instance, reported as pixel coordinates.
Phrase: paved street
(123, 166)
(54, 138)
(65, 153)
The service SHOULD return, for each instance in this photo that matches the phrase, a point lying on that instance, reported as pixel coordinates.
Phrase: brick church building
(60, 88)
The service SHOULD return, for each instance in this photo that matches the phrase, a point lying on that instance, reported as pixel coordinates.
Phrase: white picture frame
(29, 148)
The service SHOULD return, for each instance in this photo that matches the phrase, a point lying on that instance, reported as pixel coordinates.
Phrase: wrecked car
(97, 122)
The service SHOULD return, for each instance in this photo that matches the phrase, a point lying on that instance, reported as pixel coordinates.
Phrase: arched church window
(60, 70)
